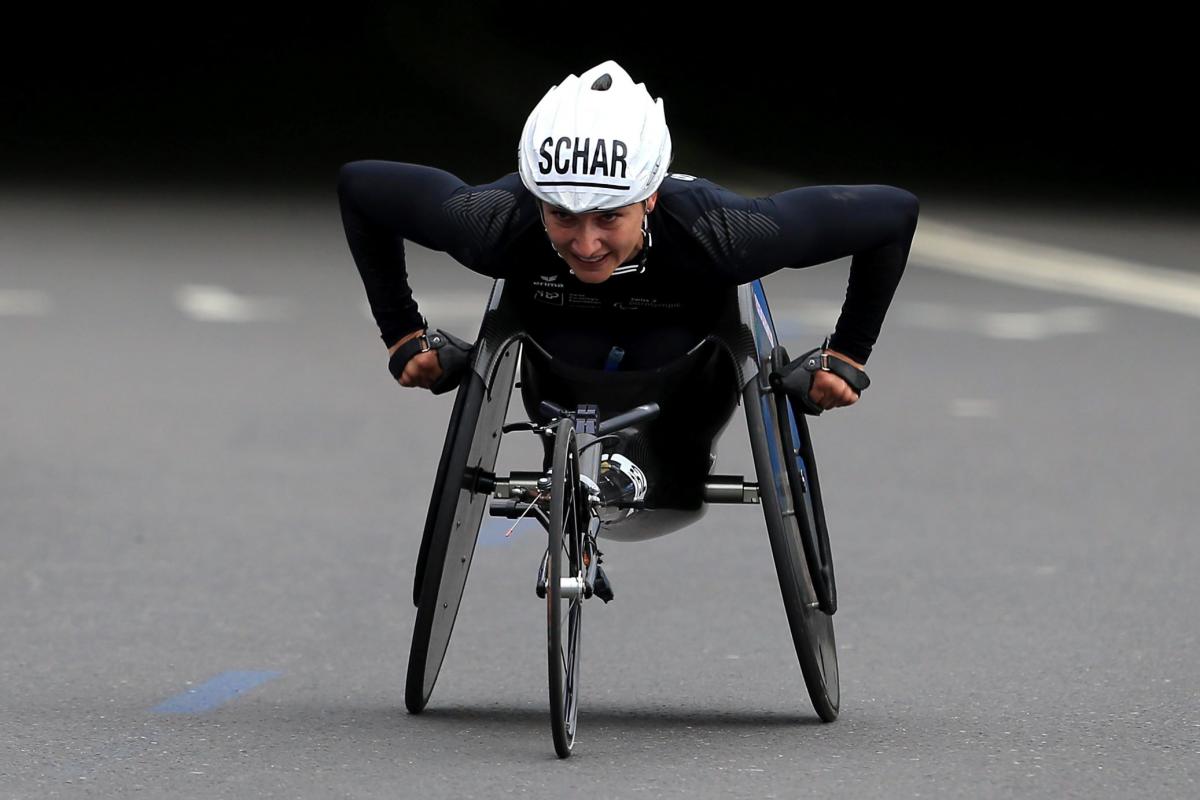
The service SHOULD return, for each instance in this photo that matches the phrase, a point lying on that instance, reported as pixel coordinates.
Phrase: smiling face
(596, 243)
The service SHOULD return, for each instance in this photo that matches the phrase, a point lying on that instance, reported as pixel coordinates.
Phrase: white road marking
(1039, 266)
(1024, 326)
(972, 408)
(1014, 325)
(23, 303)
(217, 304)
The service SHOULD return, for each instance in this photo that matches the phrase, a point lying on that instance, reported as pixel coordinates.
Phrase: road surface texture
(211, 496)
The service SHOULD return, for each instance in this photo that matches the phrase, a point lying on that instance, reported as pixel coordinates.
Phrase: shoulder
(491, 219)
(707, 210)
(697, 203)
(496, 211)
(425, 184)
(504, 195)
(681, 191)
(727, 227)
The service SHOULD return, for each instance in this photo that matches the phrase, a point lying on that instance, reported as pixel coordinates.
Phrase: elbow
(914, 207)
(898, 210)
(908, 208)
(349, 179)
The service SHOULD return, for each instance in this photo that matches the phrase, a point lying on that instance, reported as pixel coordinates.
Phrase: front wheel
(565, 586)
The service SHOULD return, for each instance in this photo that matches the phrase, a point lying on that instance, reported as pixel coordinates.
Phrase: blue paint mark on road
(214, 693)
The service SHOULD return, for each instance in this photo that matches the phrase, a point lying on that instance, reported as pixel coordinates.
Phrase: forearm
(380, 261)
(751, 238)
(382, 204)
(875, 226)
(874, 277)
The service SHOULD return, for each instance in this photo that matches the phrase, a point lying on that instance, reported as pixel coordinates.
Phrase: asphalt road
(211, 496)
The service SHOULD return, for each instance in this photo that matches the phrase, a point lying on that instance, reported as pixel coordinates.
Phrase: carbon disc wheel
(791, 524)
(457, 507)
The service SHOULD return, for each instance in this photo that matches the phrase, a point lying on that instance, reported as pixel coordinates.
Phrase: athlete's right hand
(423, 369)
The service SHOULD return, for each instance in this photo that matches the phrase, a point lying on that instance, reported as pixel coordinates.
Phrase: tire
(564, 615)
(791, 523)
(457, 507)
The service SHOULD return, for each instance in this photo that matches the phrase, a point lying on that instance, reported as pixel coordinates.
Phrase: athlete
(616, 263)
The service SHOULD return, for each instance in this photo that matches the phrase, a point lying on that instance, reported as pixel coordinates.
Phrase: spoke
(572, 669)
(568, 503)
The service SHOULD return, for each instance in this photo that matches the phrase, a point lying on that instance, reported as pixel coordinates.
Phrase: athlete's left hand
(829, 391)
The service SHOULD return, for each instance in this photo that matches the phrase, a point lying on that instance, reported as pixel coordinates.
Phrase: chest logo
(548, 297)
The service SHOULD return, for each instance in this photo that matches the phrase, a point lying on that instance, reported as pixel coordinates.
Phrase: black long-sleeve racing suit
(703, 238)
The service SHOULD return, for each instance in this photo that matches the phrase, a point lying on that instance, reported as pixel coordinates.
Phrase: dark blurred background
(999, 108)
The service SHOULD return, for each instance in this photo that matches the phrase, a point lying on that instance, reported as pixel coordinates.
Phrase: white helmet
(597, 141)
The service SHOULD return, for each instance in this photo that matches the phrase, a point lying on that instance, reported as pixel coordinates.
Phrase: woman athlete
(618, 262)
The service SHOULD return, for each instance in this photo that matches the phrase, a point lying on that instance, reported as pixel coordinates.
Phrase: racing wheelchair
(610, 472)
